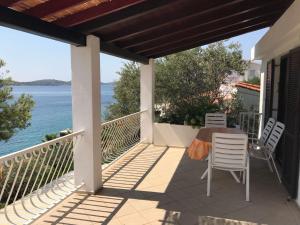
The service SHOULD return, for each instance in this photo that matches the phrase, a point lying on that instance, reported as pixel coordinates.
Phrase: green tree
(14, 114)
(127, 92)
(187, 83)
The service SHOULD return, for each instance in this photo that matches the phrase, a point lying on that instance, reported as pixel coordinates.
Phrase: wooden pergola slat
(16, 20)
(129, 13)
(150, 23)
(139, 29)
(205, 31)
(13, 19)
(200, 37)
(95, 12)
(247, 10)
(51, 6)
(218, 37)
(8, 2)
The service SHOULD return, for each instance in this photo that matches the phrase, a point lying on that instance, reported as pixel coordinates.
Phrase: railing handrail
(38, 146)
(123, 117)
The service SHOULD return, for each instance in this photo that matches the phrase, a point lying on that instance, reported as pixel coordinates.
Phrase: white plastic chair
(266, 152)
(215, 120)
(265, 134)
(229, 153)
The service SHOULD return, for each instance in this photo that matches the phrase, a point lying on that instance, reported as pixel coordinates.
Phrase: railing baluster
(117, 136)
(12, 188)
(249, 123)
(37, 177)
(27, 176)
(28, 182)
(20, 185)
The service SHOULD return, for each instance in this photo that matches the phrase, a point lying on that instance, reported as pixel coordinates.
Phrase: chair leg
(209, 175)
(268, 161)
(204, 174)
(235, 176)
(248, 181)
(275, 167)
(240, 175)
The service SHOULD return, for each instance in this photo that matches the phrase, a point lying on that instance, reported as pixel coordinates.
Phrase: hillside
(48, 82)
(45, 82)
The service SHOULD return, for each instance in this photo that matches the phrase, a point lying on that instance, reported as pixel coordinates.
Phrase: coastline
(51, 114)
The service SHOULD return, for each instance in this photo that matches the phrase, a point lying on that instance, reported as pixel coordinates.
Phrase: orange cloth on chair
(201, 145)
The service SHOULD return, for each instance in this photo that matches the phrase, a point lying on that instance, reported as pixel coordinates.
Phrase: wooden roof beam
(198, 8)
(197, 43)
(161, 32)
(132, 12)
(19, 21)
(16, 20)
(150, 26)
(206, 31)
(8, 2)
(113, 50)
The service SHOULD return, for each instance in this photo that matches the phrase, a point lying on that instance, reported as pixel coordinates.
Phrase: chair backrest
(275, 136)
(215, 120)
(267, 130)
(229, 151)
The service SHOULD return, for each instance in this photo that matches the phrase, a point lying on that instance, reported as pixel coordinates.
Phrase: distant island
(47, 82)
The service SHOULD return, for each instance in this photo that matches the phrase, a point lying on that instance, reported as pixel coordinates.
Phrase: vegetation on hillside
(187, 85)
(44, 166)
(47, 82)
(44, 82)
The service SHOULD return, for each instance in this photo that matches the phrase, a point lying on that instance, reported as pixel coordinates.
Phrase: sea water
(52, 113)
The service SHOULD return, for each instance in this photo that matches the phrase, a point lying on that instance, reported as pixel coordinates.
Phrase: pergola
(138, 30)
(141, 29)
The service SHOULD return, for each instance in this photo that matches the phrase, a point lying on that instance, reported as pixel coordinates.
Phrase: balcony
(160, 185)
(58, 182)
(142, 184)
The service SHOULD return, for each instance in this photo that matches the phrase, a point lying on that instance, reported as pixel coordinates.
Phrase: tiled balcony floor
(159, 185)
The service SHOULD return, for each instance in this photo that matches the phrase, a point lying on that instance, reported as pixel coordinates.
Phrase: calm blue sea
(51, 114)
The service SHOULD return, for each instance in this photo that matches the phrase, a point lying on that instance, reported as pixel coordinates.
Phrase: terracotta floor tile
(164, 187)
(140, 204)
(132, 219)
(125, 210)
(113, 222)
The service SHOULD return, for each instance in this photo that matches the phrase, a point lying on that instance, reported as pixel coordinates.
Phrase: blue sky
(30, 57)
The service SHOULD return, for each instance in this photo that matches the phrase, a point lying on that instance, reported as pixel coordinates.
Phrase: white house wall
(250, 98)
(166, 134)
(276, 88)
(252, 66)
(282, 37)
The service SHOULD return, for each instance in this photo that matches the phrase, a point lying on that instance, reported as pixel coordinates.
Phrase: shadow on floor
(227, 205)
(160, 185)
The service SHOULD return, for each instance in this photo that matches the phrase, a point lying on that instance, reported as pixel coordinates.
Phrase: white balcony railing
(119, 135)
(34, 179)
(250, 123)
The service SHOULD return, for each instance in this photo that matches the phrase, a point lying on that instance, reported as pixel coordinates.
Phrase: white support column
(262, 97)
(147, 80)
(86, 113)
